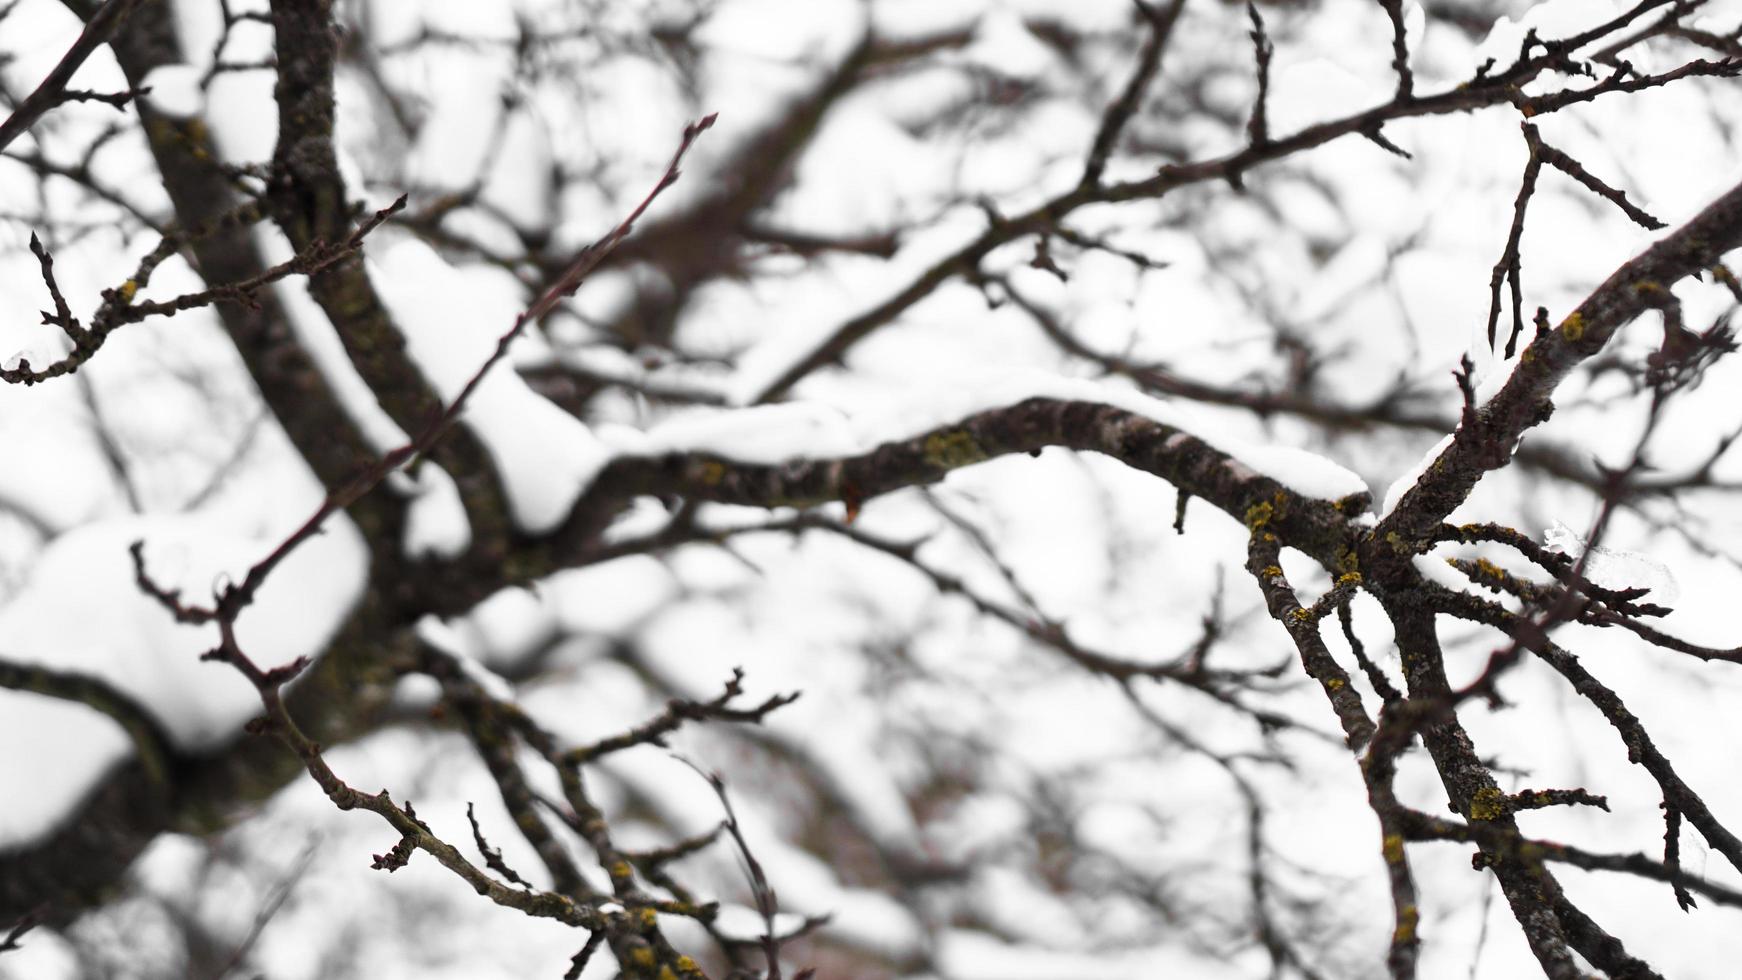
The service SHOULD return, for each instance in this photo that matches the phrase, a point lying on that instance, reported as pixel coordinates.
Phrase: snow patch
(464, 651)
(451, 318)
(82, 613)
(1613, 569)
(1402, 484)
(777, 433)
(175, 91)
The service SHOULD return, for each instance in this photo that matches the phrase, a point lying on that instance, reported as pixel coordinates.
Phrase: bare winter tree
(712, 482)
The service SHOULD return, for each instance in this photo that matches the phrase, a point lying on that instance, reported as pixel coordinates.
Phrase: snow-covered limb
(943, 750)
(1318, 526)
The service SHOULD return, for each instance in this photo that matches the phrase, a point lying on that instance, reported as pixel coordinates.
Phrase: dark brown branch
(1399, 50)
(11, 940)
(119, 308)
(1119, 113)
(1258, 127)
(1263, 557)
(678, 712)
(99, 28)
(1505, 844)
(1641, 750)
(1572, 168)
(1507, 269)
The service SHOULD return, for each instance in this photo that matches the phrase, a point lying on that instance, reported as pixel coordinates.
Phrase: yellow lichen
(127, 291)
(1334, 684)
(1280, 504)
(521, 566)
(1300, 615)
(1393, 848)
(712, 473)
(649, 918)
(1271, 571)
(1407, 919)
(1259, 514)
(620, 870)
(951, 449)
(1349, 578)
(1573, 327)
(196, 138)
(641, 956)
(1488, 803)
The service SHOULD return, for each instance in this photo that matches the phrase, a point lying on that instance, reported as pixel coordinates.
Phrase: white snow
(49, 778)
(435, 519)
(436, 522)
(239, 113)
(20, 358)
(451, 318)
(66, 482)
(507, 626)
(1414, 25)
(971, 955)
(1552, 20)
(1314, 89)
(1435, 569)
(1004, 45)
(316, 336)
(1402, 484)
(175, 91)
(758, 434)
(813, 612)
(611, 597)
(521, 184)
(812, 431)
(81, 612)
(789, 336)
(455, 142)
(745, 923)
(464, 650)
(1615, 569)
(809, 29)
(624, 368)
